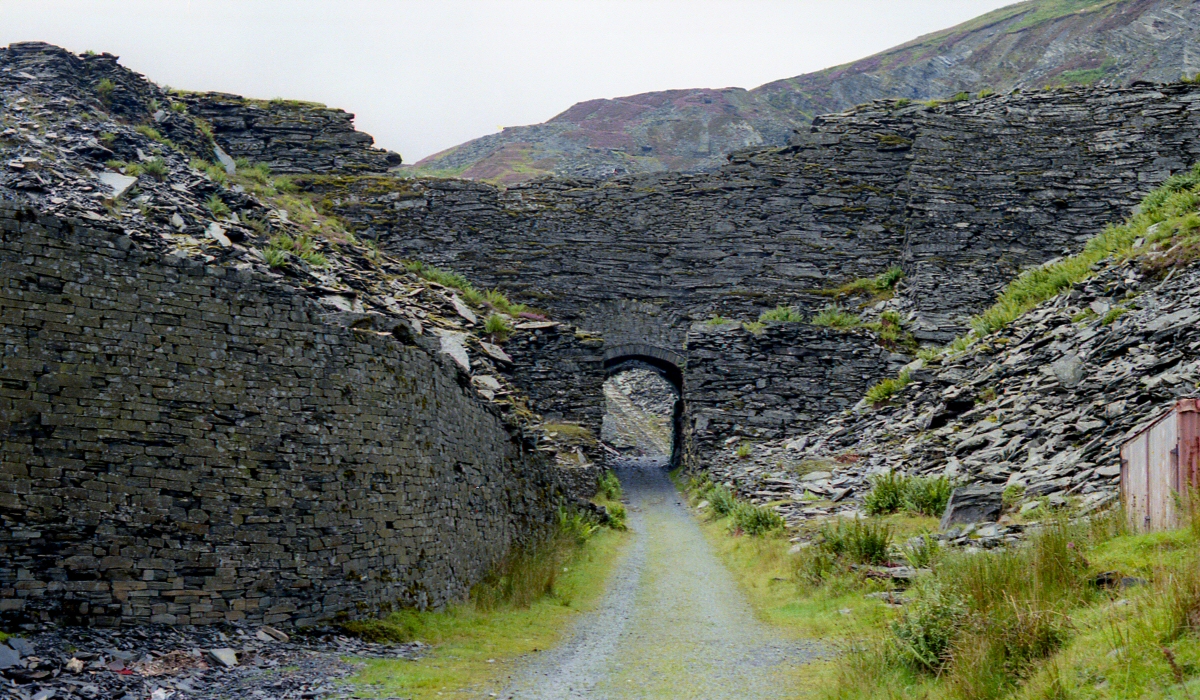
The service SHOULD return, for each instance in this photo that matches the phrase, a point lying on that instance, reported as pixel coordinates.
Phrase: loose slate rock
(979, 503)
(226, 657)
(8, 657)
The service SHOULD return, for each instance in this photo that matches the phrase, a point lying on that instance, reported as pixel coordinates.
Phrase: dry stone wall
(783, 380)
(962, 195)
(186, 443)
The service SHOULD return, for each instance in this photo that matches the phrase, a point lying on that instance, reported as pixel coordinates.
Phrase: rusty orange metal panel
(1161, 465)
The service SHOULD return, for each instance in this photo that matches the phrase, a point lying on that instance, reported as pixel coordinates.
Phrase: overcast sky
(424, 76)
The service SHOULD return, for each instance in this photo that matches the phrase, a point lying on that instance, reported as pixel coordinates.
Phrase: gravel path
(673, 623)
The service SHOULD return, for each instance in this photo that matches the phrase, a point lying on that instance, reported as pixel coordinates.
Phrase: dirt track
(673, 623)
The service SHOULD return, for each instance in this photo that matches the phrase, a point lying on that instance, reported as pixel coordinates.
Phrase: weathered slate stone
(978, 503)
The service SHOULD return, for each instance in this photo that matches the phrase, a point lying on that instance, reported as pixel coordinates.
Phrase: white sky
(422, 76)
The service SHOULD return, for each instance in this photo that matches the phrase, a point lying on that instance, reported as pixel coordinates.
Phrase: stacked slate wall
(781, 381)
(188, 444)
(962, 195)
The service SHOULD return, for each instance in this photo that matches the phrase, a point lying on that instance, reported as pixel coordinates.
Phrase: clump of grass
(860, 541)
(151, 133)
(216, 206)
(155, 168)
(921, 638)
(275, 257)
(890, 330)
(931, 355)
(497, 327)
(881, 286)
(887, 388)
(783, 314)
(886, 494)
(923, 552)
(717, 320)
(755, 327)
(609, 486)
(892, 491)
(754, 520)
(744, 451)
(497, 300)
(833, 317)
(927, 495)
(447, 279)
(105, 89)
(960, 97)
(529, 573)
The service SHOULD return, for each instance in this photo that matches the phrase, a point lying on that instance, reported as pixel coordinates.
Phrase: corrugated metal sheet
(1158, 465)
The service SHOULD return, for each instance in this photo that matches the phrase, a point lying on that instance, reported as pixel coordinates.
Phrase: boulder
(978, 503)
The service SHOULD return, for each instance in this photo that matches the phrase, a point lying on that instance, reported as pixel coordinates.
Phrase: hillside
(1028, 45)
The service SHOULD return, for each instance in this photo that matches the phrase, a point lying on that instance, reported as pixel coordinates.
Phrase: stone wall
(188, 444)
(288, 135)
(779, 382)
(962, 195)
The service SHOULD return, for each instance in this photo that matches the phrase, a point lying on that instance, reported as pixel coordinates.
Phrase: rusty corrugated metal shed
(1159, 463)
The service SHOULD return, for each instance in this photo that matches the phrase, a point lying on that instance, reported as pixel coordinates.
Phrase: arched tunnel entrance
(644, 406)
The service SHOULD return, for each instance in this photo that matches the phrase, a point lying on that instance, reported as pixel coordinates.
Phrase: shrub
(863, 542)
(616, 516)
(216, 206)
(785, 314)
(833, 317)
(887, 493)
(609, 486)
(721, 499)
(922, 636)
(887, 388)
(155, 168)
(927, 495)
(755, 520)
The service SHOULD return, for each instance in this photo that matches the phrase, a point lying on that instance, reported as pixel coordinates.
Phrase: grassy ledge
(524, 606)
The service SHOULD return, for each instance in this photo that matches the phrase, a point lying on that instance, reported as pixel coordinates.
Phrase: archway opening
(643, 408)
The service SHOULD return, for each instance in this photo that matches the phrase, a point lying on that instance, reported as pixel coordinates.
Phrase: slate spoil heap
(1042, 407)
(154, 662)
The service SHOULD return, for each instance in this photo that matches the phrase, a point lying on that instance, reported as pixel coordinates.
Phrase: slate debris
(1001, 414)
(186, 663)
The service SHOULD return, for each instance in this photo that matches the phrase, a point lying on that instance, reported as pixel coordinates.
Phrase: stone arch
(670, 365)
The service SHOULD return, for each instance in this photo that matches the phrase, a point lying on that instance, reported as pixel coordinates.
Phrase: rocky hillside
(1028, 45)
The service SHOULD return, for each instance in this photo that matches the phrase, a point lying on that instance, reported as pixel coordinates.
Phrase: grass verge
(475, 645)
(1045, 619)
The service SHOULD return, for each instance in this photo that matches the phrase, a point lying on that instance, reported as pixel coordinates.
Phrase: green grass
(833, 317)
(497, 327)
(476, 644)
(105, 89)
(879, 287)
(919, 495)
(887, 388)
(782, 314)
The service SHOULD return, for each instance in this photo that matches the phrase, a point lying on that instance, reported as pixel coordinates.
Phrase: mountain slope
(1029, 45)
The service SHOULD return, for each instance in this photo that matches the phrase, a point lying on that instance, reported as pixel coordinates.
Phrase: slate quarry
(195, 435)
